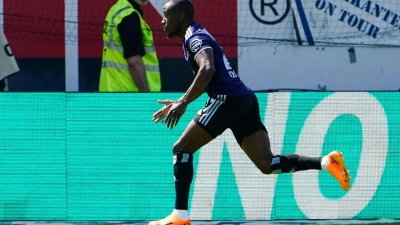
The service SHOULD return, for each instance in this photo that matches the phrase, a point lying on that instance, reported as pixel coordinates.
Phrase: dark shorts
(239, 113)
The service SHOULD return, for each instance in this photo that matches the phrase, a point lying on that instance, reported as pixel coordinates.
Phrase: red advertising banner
(35, 29)
(38, 29)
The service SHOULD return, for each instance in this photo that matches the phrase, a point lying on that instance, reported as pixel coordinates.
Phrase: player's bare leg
(193, 138)
(257, 148)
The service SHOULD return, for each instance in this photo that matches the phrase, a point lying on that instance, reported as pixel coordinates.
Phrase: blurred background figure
(8, 65)
(130, 62)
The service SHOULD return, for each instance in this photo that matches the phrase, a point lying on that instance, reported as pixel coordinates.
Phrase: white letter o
(372, 158)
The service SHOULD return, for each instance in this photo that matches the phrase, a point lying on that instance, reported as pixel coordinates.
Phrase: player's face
(170, 21)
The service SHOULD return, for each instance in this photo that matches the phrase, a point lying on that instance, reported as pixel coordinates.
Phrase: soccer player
(231, 104)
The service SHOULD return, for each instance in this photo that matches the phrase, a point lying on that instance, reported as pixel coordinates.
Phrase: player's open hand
(175, 112)
(163, 112)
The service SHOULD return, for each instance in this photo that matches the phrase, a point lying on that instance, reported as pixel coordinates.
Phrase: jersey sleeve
(197, 43)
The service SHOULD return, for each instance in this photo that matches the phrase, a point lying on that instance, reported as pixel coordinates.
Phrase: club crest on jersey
(195, 45)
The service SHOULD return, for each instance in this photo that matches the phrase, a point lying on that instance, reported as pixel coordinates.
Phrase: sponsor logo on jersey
(195, 45)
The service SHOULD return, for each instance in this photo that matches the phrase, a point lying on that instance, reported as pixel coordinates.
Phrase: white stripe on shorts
(210, 111)
(210, 104)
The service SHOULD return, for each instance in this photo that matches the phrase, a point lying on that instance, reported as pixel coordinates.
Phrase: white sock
(182, 214)
(324, 163)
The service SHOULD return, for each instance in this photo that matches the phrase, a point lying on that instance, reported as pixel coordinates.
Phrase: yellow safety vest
(115, 76)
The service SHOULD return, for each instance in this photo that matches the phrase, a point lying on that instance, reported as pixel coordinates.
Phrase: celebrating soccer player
(231, 104)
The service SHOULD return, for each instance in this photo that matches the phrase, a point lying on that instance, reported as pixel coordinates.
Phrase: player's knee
(179, 147)
(264, 165)
(265, 169)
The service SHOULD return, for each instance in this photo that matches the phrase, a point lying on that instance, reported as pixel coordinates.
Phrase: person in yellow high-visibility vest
(130, 62)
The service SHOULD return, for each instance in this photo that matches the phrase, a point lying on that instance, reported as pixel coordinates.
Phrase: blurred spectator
(8, 65)
(130, 62)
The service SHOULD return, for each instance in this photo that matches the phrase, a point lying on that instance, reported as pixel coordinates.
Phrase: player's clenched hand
(163, 112)
(176, 111)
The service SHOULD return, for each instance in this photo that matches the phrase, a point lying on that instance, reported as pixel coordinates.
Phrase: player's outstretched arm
(205, 61)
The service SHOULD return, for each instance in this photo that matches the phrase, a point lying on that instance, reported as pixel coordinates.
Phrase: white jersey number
(229, 68)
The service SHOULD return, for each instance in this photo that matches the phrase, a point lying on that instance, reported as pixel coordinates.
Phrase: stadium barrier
(98, 156)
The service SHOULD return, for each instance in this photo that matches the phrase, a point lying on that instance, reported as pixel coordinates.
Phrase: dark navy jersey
(224, 81)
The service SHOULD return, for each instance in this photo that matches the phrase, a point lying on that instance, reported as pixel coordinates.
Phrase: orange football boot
(171, 220)
(338, 170)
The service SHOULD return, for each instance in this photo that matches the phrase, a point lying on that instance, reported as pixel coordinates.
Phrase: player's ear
(180, 16)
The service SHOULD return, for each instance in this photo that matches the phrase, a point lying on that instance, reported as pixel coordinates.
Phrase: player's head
(178, 14)
(141, 2)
